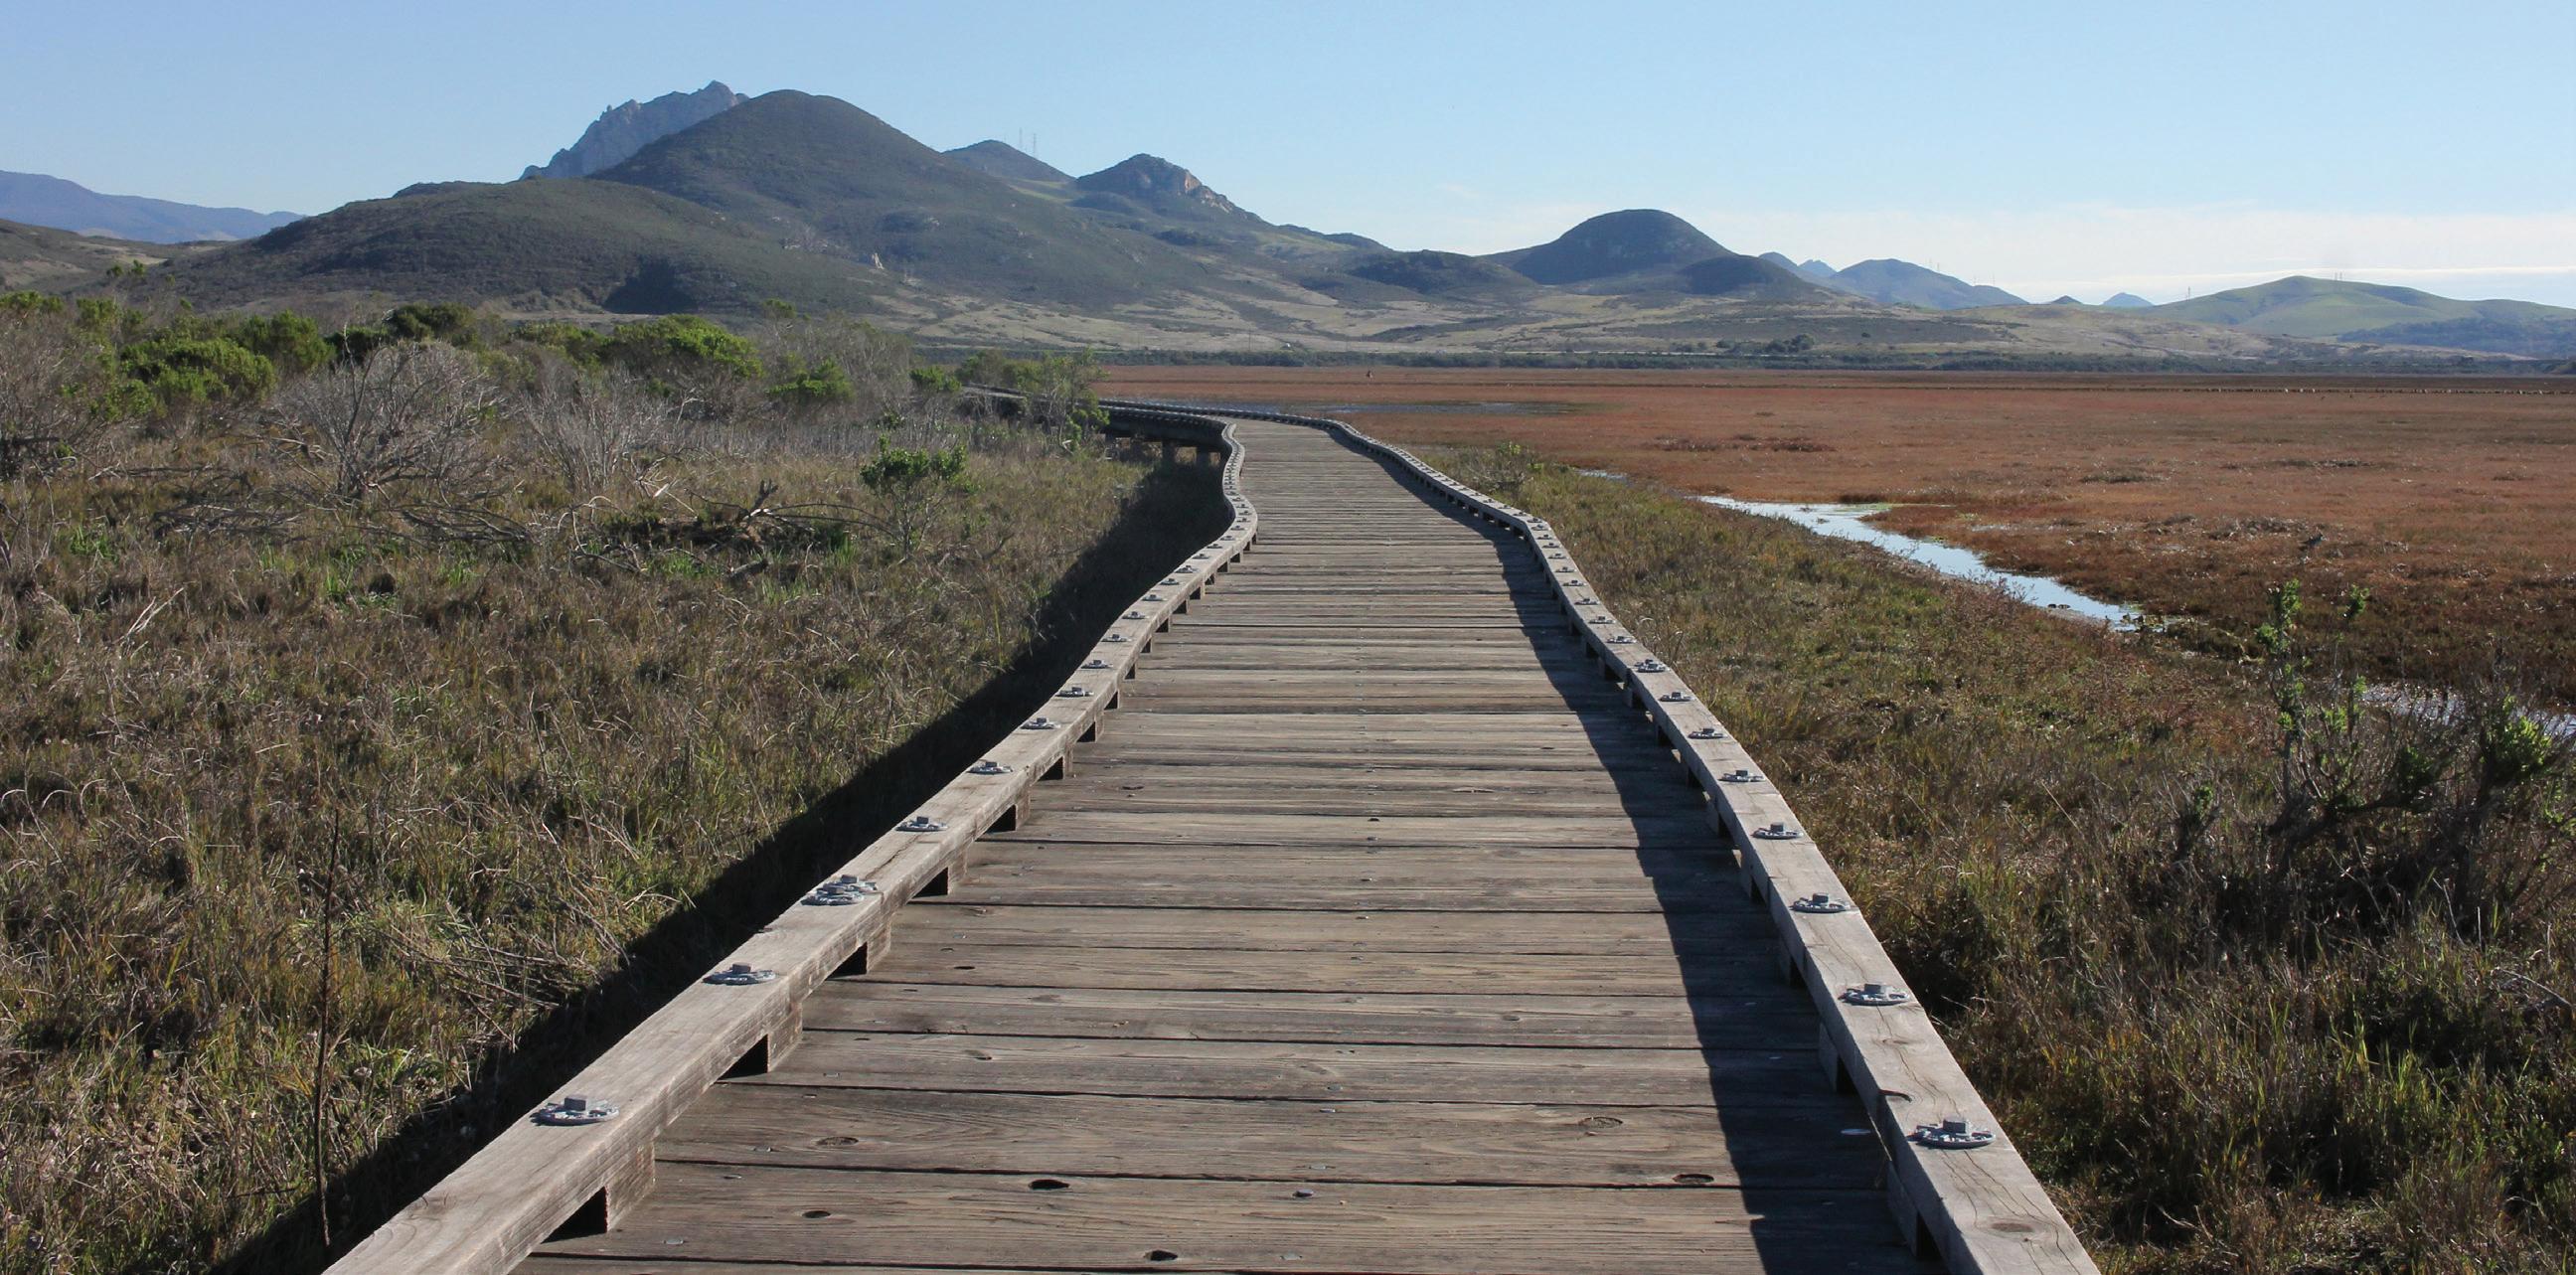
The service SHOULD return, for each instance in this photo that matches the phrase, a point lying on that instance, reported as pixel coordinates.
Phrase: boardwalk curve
(1392, 921)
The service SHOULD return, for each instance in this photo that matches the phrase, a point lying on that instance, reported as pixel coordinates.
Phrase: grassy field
(2452, 500)
(373, 745)
(2251, 999)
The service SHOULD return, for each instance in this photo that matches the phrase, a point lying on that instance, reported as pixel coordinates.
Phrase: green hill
(1647, 250)
(2302, 306)
(1429, 274)
(821, 176)
(1010, 163)
(537, 244)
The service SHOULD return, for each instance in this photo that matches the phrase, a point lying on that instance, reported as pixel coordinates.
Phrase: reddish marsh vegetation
(2453, 500)
(2263, 980)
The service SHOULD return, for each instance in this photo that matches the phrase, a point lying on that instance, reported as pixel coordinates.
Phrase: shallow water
(1849, 522)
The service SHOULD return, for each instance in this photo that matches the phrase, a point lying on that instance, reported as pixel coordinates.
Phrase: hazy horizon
(2181, 151)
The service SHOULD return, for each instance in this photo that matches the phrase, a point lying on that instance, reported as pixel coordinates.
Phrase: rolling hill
(1645, 250)
(45, 259)
(532, 245)
(38, 200)
(1894, 282)
(2302, 306)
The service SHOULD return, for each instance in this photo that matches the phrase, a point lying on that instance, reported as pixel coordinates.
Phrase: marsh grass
(355, 741)
(2203, 951)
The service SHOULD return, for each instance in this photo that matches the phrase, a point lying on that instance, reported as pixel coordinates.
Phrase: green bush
(181, 370)
(287, 339)
(681, 346)
(822, 384)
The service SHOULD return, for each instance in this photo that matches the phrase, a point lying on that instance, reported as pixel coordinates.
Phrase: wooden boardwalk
(1376, 931)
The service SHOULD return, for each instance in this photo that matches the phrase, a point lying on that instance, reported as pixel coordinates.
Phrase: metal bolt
(1675, 697)
(1650, 666)
(1074, 692)
(741, 975)
(988, 766)
(1874, 994)
(1708, 732)
(1095, 665)
(1953, 1134)
(921, 823)
(1169, 581)
(1135, 615)
(572, 1109)
(1115, 637)
(1778, 831)
(1038, 723)
(1739, 775)
(1620, 639)
(1565, 571)
(1819, 904)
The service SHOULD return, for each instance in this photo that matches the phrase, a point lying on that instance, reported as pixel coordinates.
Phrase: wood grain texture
(1381, 927)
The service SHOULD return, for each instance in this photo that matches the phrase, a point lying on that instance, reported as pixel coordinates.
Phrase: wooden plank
(1168, 1068)
(952, 920)
(721, 1213)
(1686, 829)
(1773, 1022)
(1205, 969)
(1494, 1144)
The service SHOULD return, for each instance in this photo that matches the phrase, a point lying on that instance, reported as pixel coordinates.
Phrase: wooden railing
(1979, 1207)
(537, 1179)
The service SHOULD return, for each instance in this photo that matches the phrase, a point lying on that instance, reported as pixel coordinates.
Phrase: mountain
(584, 245)
(1158, 186)
(1646, 250)
(1637, 241)
(1010, 163)
(2301, 306)
(2126, 301)
(620, 131)
(1905, 283)
(38, 200)
(2065, 300)
(818, 175)
(1811, 268)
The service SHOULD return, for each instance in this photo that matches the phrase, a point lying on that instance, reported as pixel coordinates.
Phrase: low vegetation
(390, 709)
(2262, 979)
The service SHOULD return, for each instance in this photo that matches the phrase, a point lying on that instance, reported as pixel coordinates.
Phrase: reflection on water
(1849, 522)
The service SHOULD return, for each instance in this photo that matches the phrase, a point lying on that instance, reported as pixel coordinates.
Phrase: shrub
(180, 370)
(682, 349)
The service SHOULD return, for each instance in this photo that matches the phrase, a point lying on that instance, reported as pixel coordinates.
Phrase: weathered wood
(1431, 1143)
(1376, 929)
(733, 1213)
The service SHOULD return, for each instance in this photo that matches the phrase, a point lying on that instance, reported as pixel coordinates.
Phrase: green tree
(818, 385)
(681, 348)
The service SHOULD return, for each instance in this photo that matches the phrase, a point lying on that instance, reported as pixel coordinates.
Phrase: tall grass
(349, 733)
(2262, 979)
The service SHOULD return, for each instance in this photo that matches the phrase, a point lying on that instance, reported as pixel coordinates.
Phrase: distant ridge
(38, 200)
(2126, 301)
(1897, 282)
(2303, 306)
(1010, 163)
(622, 130)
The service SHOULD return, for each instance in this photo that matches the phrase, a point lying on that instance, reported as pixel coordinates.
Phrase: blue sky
(2044, 147)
